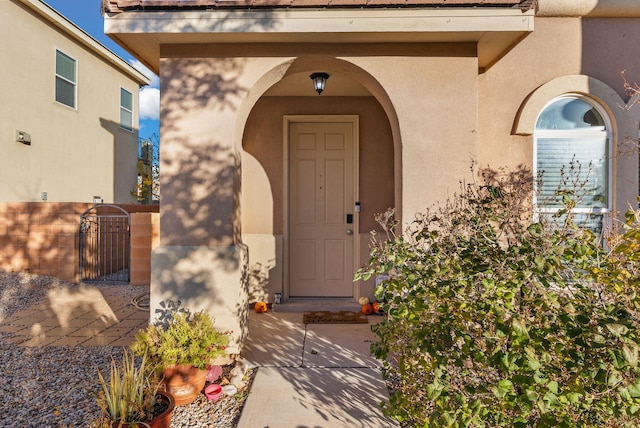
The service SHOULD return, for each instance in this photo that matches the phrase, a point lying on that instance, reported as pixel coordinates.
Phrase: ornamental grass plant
(127, 395)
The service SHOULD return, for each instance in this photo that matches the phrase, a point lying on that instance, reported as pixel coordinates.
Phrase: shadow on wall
(202, 260)
(213, 279)
(210, 271)
(124, 161)
(201, 195)
(258, 281)
(200, 175)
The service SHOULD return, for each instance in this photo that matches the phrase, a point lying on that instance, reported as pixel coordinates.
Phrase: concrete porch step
(299, 305)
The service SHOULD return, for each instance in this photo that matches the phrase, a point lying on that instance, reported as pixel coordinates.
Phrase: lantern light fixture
(319, 80)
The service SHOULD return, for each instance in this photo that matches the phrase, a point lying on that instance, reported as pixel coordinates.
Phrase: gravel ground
(51, 386)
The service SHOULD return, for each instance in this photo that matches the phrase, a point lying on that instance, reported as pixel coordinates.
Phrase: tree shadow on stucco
(203, 197)
(191, 84)
(258, 280)
(233, 19)
(200, 184)
(208, 169)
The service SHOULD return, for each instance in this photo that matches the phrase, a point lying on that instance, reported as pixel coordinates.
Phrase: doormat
(328, 317)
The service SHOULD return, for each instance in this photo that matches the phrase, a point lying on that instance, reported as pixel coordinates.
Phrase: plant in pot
(129, 398)
(183, 346)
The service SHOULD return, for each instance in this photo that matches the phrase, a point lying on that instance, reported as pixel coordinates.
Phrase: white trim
(469, 21)
(286, 121)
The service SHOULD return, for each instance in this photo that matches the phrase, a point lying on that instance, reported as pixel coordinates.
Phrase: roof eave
(495, 30)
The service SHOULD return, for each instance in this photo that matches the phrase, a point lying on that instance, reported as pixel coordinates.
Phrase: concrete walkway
(313, 375)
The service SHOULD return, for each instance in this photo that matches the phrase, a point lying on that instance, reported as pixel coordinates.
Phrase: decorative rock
(237, 382)
(229, 390)
(236, 371)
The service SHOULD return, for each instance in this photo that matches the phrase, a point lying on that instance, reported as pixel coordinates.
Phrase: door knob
(349, 231)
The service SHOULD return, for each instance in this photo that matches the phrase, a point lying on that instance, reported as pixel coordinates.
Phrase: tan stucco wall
(427, 92)
(208, 107)
(588, 56)
(75, 154)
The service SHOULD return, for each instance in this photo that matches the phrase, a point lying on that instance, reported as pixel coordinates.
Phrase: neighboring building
(68, 111)
(253, 158)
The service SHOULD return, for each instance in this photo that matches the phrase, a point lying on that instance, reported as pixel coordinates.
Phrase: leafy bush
(181, 337)
(495, 321)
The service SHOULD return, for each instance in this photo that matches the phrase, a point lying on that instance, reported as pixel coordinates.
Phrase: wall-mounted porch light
(319, 80)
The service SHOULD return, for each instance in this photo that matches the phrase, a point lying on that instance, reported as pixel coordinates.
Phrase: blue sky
(86, 15)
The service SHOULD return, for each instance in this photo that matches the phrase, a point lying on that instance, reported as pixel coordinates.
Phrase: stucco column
(200, 261)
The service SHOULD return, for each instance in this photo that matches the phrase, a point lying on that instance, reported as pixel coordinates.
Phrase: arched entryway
(295, 171)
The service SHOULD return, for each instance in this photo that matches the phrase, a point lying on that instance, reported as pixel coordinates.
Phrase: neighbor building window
(572, 139)
(126, 109)
(66, 79)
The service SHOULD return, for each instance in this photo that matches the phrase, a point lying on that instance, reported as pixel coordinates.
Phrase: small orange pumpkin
(260, 307)
(367, 309)
(376, 307)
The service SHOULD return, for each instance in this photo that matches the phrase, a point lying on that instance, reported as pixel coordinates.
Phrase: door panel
(321, 194)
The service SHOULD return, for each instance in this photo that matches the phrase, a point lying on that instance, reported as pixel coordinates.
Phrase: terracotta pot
(184, 383)
(163, 420)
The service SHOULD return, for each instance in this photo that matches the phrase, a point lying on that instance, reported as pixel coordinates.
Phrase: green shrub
(181, 337)
(495, 321)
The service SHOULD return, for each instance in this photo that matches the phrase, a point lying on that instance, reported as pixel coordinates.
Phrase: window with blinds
(572, 153)
(66, 79)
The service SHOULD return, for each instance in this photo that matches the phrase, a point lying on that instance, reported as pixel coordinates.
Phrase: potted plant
(182, 346)
(129, 398)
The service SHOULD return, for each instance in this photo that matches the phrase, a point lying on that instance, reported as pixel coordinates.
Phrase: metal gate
(105, 244)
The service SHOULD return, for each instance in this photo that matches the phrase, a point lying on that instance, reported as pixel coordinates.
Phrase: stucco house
(268, 187)
(68, 111)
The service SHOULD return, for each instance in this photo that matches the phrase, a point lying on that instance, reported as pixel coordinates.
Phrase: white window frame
(577, 134)
(126, 109)
(74, 84)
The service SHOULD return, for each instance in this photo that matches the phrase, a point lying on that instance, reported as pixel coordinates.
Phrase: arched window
(572, 138)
